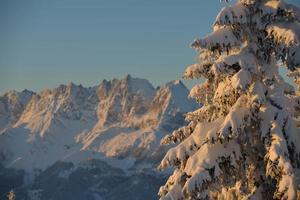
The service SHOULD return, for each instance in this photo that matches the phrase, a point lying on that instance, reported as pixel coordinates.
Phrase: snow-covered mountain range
(117, 120)
(73, 142)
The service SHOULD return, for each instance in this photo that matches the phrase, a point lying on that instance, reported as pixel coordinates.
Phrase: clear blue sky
(44, 43)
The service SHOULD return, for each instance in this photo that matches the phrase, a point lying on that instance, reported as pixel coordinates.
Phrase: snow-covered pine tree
(243, 143)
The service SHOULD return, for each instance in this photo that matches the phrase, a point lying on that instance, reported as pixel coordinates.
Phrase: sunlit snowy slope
(114, 121)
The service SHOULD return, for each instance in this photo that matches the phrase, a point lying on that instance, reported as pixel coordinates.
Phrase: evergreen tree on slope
(243, 143)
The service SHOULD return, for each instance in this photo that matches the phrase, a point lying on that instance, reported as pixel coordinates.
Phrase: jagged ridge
(119, 118)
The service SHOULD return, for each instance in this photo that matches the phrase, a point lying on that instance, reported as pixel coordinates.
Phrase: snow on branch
(248, 2)
(172, 189)
(204, 166)
(241, 60)
(273, 6)
(284, 40)
(197, 70)
(180, 134)
(234, 122)
(221, 129)
(279, 165)
(287, 34)
(202, 93)
(236, 14)
(178, 155)
(220, 40)
(241, 80)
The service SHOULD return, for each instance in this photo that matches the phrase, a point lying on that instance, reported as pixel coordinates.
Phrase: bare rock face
(12, 105)
(122, 100)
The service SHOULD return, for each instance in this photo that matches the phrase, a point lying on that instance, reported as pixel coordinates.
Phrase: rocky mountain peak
(12, 104)
(97, 119)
